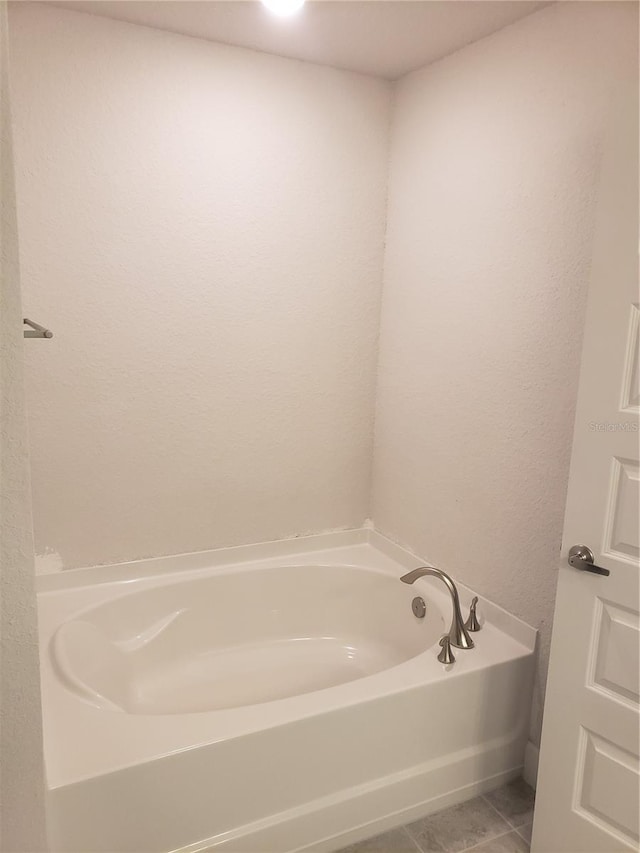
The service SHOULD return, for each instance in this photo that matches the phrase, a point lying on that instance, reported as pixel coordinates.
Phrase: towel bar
(36, 331)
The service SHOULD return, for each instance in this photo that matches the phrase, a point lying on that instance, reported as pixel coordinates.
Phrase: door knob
(581, 557)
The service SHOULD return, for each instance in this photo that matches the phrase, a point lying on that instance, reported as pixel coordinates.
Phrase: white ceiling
(386, 38)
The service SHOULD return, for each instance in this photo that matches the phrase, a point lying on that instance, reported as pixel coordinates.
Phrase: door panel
(606, 785)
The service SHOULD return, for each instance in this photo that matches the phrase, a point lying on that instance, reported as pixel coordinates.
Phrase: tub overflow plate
(419, 607)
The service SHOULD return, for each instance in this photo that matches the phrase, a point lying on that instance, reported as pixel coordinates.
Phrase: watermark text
(613, 426)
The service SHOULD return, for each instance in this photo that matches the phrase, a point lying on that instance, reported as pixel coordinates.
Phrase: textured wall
(22, 819)
(202, 227)
(493, 175)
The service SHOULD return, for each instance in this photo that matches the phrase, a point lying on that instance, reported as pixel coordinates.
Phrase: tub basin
(236, 640)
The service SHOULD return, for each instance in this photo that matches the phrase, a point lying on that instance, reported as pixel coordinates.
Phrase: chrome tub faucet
(458, 634)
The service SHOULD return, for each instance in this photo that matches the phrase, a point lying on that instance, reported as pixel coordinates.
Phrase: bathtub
(268, 699)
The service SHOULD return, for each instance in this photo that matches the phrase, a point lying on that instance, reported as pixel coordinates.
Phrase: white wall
(491, 207)
(202, 228)
(22, 818)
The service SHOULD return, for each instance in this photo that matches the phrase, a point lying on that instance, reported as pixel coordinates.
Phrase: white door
(588, 784)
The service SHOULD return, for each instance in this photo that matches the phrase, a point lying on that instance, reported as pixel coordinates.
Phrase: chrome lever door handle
(581, 557)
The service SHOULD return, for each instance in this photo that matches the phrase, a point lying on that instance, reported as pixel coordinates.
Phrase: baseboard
(531, 759)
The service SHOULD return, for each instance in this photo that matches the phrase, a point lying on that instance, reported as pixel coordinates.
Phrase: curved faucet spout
(457, 633)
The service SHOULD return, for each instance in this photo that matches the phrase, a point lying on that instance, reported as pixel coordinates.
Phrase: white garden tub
(269, 698)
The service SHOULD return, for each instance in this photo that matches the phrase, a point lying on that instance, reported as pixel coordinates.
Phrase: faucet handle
(472, 623)
(446, 655)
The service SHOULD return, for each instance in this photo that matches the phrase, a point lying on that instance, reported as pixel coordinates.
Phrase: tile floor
(499, 822)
